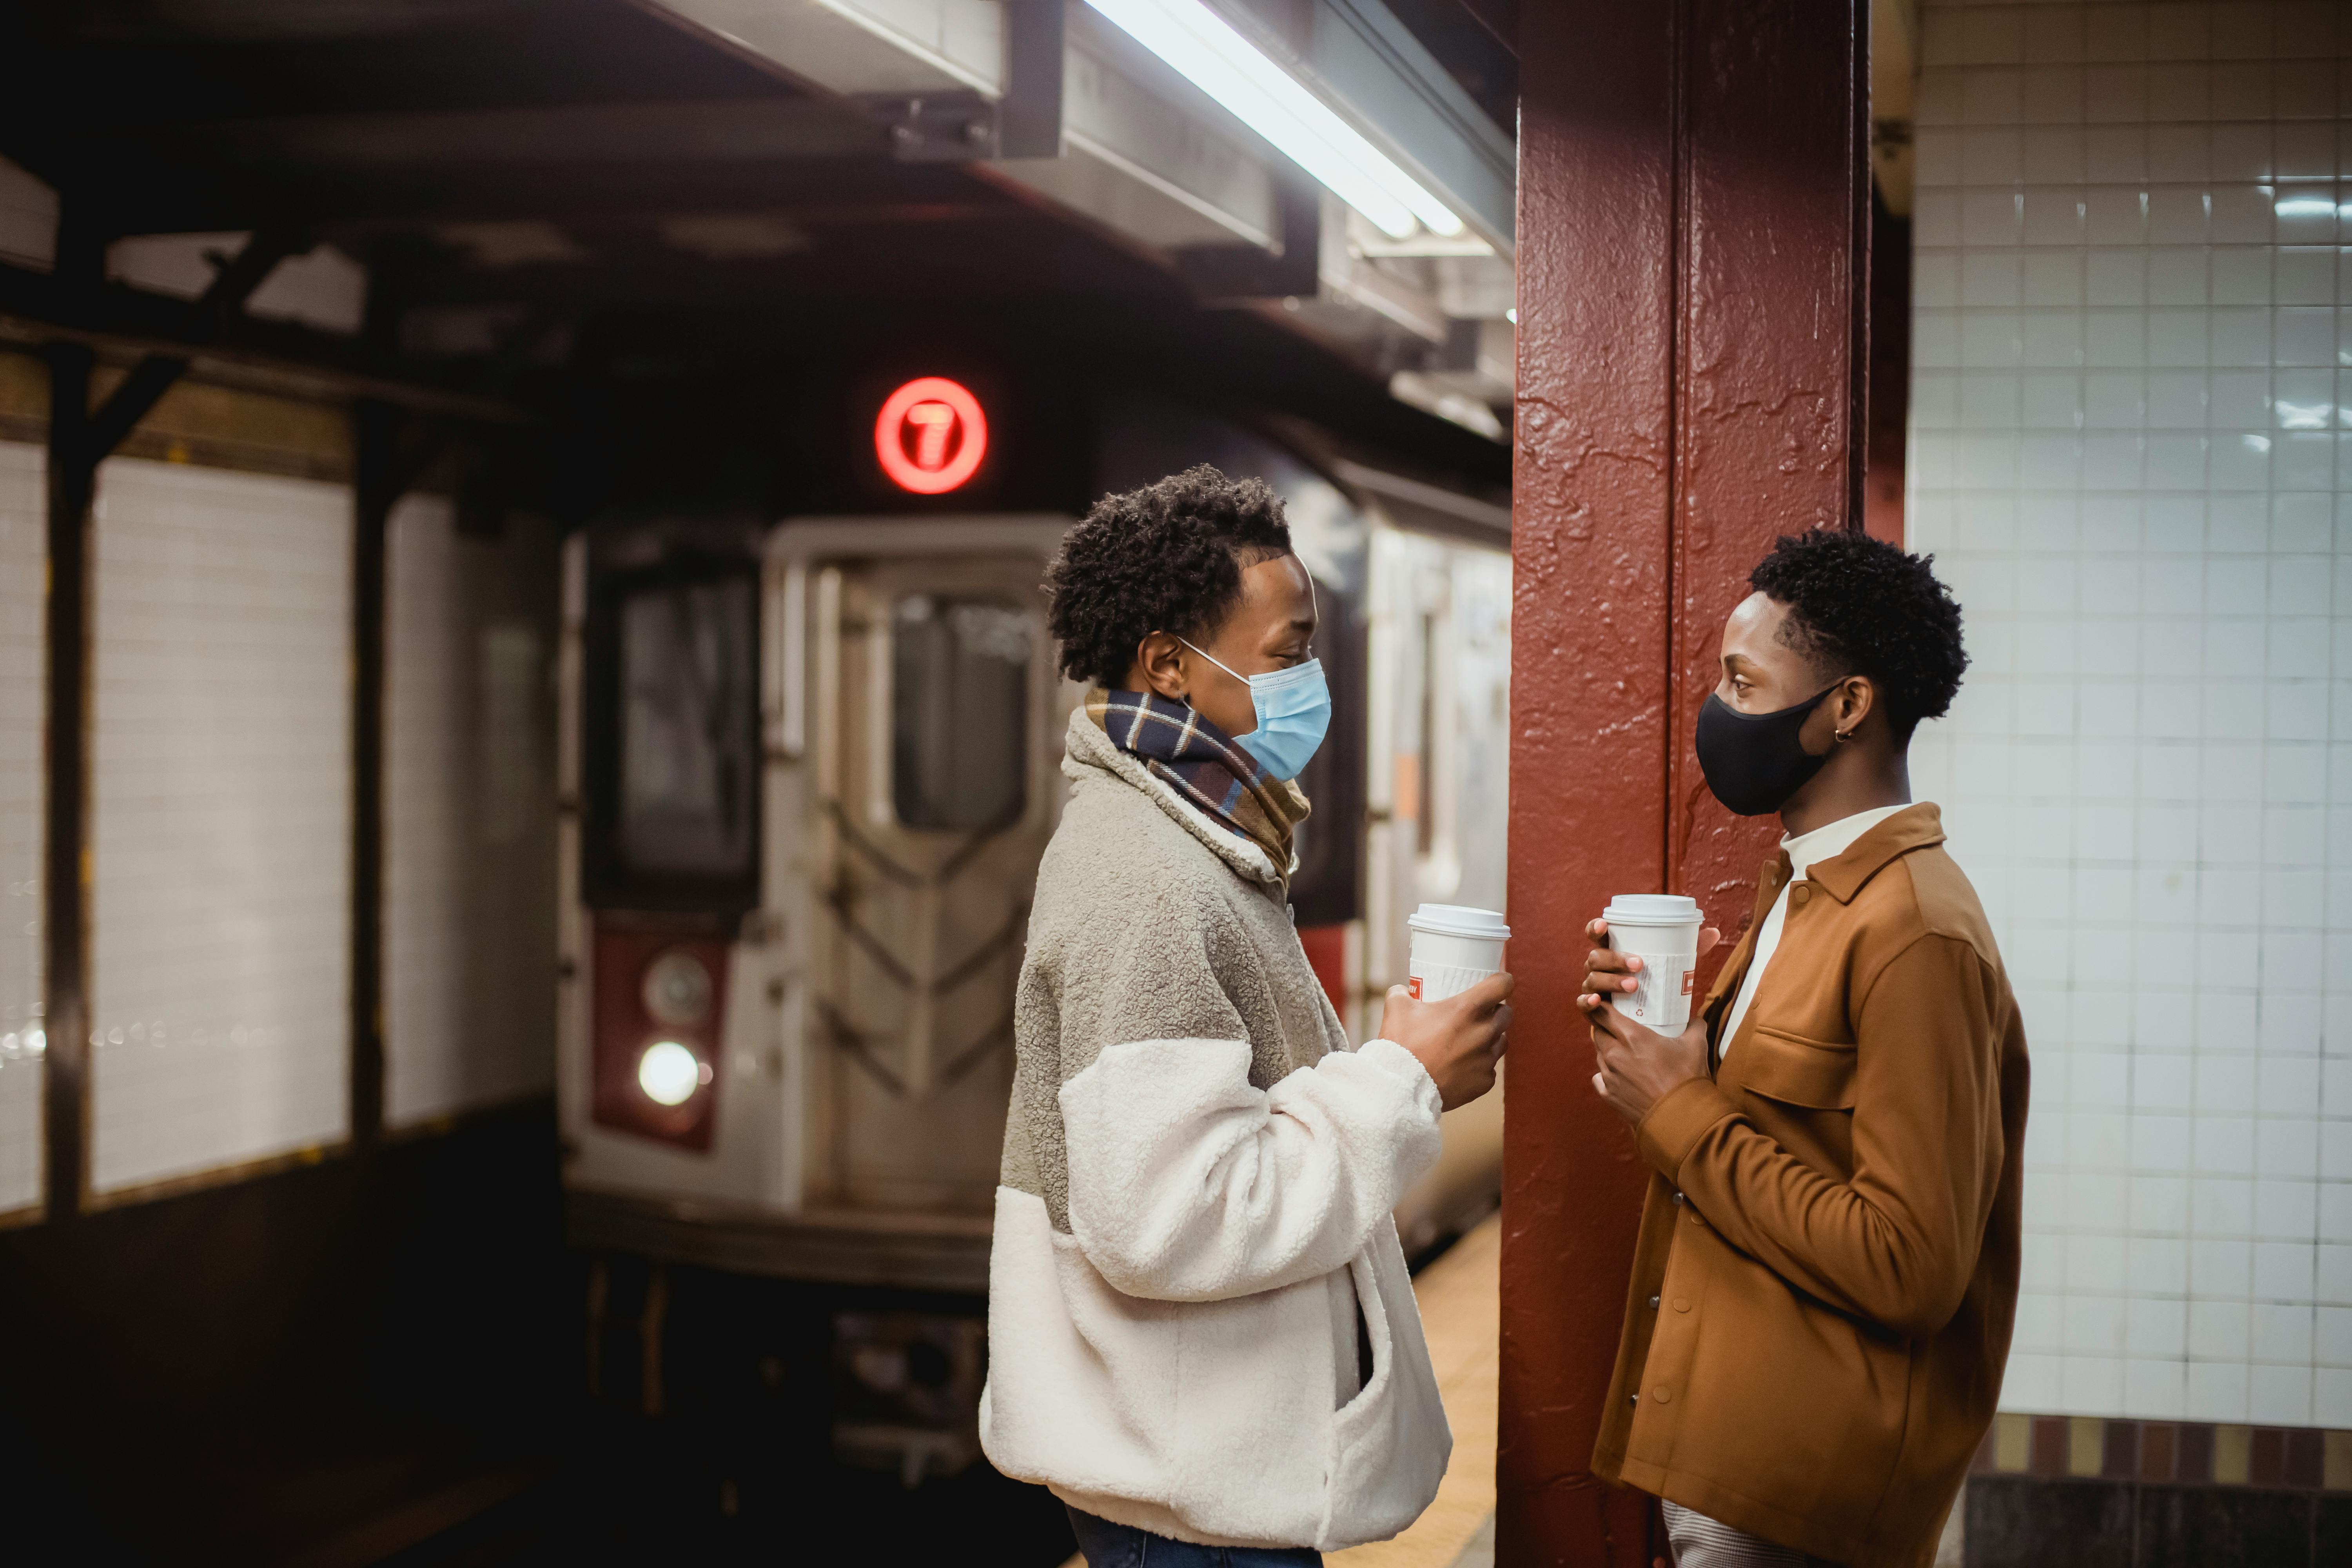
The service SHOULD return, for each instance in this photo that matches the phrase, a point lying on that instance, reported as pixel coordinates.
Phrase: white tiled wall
(220, 820)
(2132, 454)
(24, 555)
(469, 797)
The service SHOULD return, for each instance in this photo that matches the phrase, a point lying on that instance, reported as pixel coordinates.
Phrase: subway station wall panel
(24, 663)
(2132, 456)
(220, 820)
(469, 796)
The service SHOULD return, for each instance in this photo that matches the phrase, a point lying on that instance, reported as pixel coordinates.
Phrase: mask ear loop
(1313, 602)
(1212, 659)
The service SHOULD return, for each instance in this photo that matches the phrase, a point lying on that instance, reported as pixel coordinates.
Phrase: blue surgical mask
(1294, 709)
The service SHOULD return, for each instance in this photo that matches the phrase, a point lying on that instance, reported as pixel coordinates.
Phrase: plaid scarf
(1204, 766)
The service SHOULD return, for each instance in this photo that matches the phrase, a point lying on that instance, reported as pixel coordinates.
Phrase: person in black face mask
(1828, 1264)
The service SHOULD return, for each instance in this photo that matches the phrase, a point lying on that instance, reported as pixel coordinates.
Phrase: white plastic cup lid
(1459, 920)
(1651, 909)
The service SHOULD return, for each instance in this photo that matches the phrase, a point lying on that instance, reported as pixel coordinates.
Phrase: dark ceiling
(383, 126)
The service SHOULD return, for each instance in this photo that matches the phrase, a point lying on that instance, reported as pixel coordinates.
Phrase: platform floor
(1460, 1297)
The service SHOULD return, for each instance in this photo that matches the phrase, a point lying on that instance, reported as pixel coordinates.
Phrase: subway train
(811, 762)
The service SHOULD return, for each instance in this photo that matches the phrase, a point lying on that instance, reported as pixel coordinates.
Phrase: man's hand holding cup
(1639, 1065)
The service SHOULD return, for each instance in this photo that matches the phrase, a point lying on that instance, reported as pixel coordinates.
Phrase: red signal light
(930, 435)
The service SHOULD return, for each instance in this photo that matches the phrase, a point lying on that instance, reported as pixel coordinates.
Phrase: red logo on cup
(1413, 986)
(1690, 978)
(930, 435)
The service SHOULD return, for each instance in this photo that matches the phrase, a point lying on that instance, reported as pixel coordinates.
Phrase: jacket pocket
(1795, 1071)
(1388, 1447)
(1380, 1339)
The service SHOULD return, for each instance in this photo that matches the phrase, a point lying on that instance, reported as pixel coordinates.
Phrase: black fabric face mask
(1754, 762)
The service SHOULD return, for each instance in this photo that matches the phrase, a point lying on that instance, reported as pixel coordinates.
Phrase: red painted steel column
(1693, 264)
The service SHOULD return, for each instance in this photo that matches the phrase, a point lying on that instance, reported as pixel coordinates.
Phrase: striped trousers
(1698, 1541)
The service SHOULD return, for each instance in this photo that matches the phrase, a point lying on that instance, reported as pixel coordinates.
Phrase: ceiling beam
(755, 131)
(138, 198)
(35, 310)
(109, 425)
(252, 21)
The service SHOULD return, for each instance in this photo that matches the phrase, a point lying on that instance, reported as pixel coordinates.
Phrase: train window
(958, 712)
(688, 746)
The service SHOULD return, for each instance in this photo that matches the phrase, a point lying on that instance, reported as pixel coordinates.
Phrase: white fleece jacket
(1194, 1209)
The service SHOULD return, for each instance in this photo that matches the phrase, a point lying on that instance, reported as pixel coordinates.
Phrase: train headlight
(670, 1073)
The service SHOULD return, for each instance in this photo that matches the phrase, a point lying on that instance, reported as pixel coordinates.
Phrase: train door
(816, 777)
(928, 722)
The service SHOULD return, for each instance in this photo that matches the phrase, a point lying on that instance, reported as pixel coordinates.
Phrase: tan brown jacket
(1827, 1268)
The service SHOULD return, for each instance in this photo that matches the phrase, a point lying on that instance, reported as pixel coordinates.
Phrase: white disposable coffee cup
(1455, 947)
(1662, 928)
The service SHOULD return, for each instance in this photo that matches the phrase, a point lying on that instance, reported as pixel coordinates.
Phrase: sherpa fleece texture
(1195, 1197)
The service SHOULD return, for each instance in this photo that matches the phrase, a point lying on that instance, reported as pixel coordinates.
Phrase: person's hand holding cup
(1458, 1039)
(1451, 1012)
(1638, 992)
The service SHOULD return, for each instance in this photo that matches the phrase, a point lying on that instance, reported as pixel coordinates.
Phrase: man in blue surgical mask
(1200, 1332)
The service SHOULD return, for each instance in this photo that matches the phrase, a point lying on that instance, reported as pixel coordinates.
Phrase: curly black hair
(1860, 606)
(1165, 558)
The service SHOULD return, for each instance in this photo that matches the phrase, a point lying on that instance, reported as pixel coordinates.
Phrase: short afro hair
(1165, 558)
(1859, 606)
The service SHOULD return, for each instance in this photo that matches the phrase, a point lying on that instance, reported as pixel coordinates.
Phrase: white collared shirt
(1804, 851)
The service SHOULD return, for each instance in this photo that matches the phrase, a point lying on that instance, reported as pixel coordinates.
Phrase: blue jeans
(1108, 1545)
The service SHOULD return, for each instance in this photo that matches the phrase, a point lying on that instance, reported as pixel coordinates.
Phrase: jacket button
(1654, 1303)
(1662, 1395)
(1678, 1197)
(1632, 1399)
(1682, 1304)
(1800, 893)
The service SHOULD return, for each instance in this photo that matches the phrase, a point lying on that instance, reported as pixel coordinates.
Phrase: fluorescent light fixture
(2306, 206)
(1205, 49)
